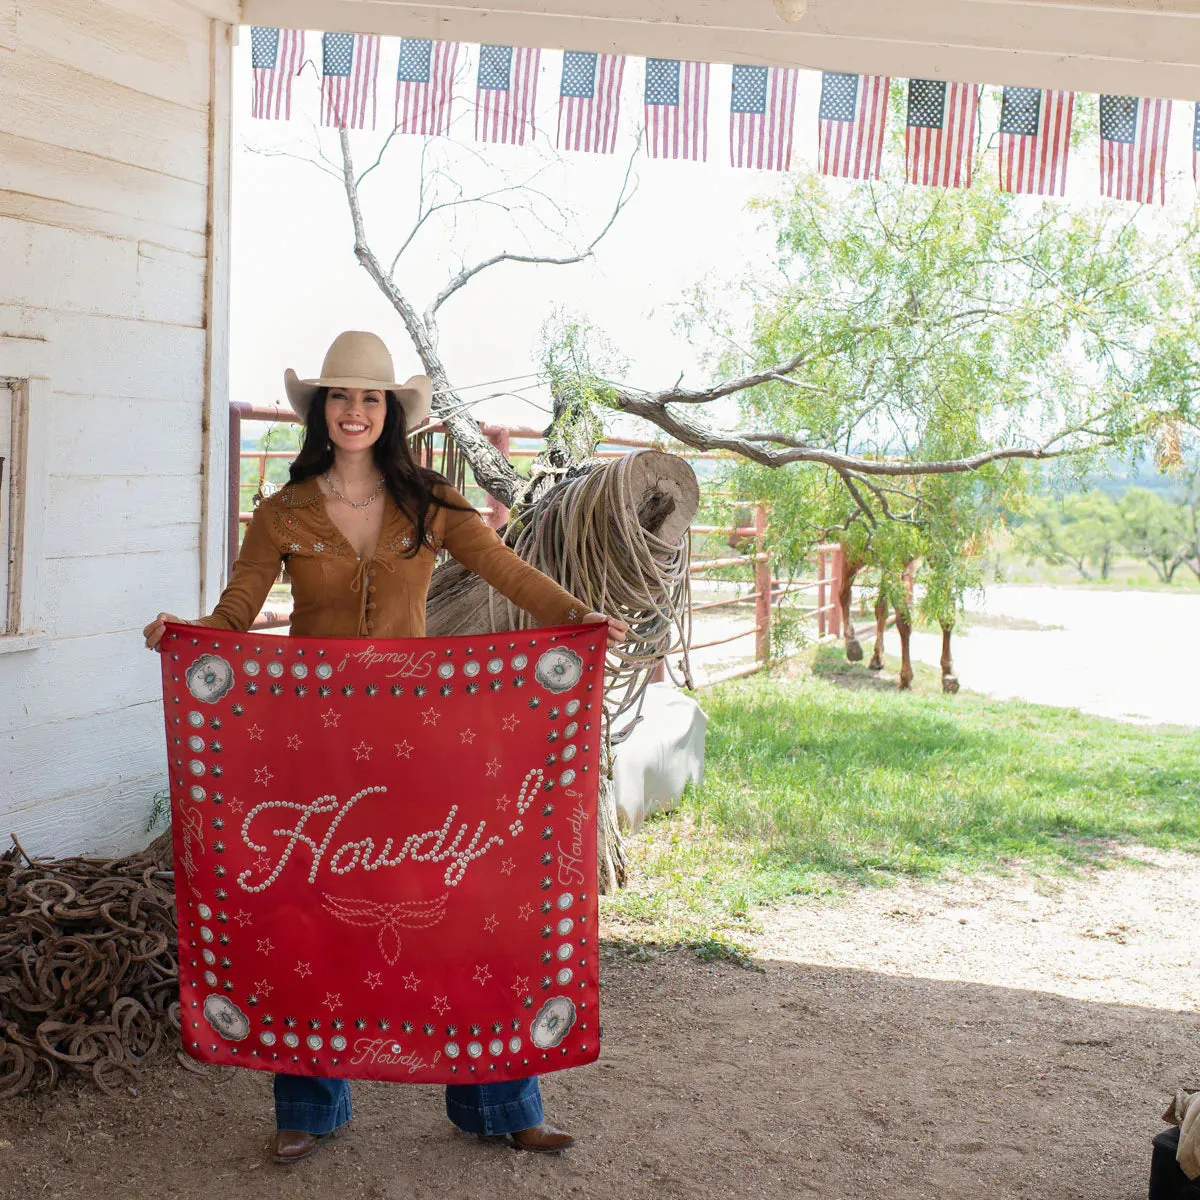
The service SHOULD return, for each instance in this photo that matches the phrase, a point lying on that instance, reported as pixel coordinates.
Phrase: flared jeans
(315, 1105)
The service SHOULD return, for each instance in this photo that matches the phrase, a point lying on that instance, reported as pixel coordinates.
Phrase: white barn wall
(105, 201)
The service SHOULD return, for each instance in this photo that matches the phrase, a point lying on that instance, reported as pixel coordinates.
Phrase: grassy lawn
(825, 777)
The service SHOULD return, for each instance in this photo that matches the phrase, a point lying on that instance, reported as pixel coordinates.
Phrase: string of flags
(941, 119)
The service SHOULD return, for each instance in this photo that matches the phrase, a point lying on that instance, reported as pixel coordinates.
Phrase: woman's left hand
(618, 630)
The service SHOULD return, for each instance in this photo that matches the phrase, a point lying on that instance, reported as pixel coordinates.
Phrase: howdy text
(570, 858)
(415, 665)
(432, 845)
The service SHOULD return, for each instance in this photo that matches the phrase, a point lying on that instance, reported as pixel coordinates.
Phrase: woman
(358, 528)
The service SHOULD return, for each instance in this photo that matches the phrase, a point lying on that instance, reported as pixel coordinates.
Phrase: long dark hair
(410, 485)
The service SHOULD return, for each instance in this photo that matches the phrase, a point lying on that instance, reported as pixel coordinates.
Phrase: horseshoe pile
(88, 968)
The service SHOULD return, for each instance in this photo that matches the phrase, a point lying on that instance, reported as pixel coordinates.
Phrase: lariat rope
(584, 533)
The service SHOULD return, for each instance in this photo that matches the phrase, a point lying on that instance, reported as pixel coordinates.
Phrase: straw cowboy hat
(361, 360)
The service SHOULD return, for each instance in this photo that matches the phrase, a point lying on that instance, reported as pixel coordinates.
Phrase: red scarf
(386, 852)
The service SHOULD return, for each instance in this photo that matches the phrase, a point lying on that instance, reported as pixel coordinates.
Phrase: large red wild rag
(385, 852)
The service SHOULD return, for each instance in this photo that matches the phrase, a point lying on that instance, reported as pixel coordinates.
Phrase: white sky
(296, 283)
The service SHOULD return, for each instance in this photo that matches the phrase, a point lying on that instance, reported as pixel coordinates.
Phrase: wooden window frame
(28, 481)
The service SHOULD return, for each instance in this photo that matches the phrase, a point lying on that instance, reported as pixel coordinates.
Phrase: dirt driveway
(1006, 1038)
(1112, 653)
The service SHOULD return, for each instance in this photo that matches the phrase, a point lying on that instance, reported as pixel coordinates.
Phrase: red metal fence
(435, 448)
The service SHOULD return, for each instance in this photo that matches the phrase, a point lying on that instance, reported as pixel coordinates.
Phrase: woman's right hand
(153, 633)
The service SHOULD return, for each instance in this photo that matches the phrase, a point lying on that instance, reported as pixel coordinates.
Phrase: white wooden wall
(105, 199)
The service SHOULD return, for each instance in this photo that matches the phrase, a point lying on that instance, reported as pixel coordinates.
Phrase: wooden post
(762, 585)
(820, 593)
(836, 575)
(233, 516)
(499, 437)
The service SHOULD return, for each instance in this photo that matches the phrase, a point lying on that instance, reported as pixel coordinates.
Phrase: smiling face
(355, 417)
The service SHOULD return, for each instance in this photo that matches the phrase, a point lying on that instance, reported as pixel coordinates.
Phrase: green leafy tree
(912, 347)
(1153, 530)
(1081, 530)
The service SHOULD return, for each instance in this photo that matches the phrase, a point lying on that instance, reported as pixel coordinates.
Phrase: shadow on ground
(792, 1081)
(830, 663)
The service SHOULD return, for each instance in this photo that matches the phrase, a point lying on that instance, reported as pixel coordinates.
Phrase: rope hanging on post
(587, 532)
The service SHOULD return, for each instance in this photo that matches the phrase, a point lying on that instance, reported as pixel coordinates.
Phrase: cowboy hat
(361, 360)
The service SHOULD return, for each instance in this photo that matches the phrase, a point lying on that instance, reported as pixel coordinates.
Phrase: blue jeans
(315, 1105)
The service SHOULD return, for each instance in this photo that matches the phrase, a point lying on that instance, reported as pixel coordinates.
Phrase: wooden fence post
(762, 585)
(498, 435)
(821, 586)
(233, 517)
(836, 575)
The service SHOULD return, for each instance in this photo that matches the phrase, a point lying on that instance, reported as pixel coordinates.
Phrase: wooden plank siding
(105, 211)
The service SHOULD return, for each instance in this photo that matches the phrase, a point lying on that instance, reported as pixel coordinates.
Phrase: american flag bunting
(939, 136)
(762, 113)
(1133, 148)
(676, 109)
(1035, 137)
(276, 55)
(425, 86)
(589, 101)
(349, 72)
(505, 94)
(851, 122)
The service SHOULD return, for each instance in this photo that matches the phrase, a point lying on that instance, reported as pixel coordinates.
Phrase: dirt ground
(1005, 1037)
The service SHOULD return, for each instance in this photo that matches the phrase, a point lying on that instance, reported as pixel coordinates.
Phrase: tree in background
(911, 345)
(1190, 518)
(907, 331)
(1152, 530)
(1082, 530)
(1092, 530)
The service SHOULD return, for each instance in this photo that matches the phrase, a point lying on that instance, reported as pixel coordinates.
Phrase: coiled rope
(585, 533)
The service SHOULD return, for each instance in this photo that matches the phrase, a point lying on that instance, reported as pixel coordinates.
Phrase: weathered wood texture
(1140, 47)
(105, 203)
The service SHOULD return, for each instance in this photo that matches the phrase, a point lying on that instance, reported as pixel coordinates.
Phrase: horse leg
(949, 679)
(904, 628)
(853, 648)
(881, 611)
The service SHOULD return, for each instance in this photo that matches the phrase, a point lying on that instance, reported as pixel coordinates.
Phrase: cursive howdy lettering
(570, 859)
(408, 665)
(386, 1053)
(444, 844)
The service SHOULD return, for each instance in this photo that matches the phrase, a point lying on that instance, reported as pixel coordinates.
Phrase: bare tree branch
(468, 273)
(750, 445)
(304, 158)
(492, 469)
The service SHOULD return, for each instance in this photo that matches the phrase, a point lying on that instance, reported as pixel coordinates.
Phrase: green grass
(816, 782)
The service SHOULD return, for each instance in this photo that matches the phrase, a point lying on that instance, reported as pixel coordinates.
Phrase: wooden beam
(216, 449)
(227, 11)
(1142, 47)
(8, 24)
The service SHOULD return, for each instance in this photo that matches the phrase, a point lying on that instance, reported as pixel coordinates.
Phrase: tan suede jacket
(337, 594)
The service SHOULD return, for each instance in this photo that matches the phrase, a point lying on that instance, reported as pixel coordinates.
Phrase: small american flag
(1196, 144)
(349, 71)
(505, 94)
(425, 86)
(275, 57)
(1133, 148)
(762, 112)
(676, 109)
(940, 132)
(589, 101)
(851, 123)
(1035, 136)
